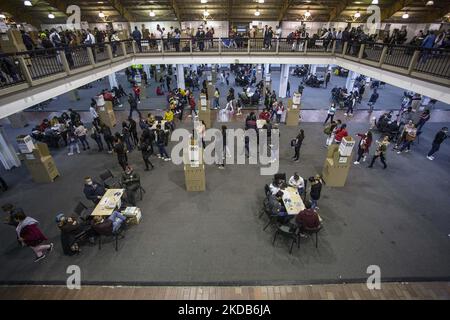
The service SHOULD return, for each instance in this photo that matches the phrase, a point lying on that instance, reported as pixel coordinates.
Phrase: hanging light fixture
(27, 3)
(260, 1)
(203, 1)
(152, 13)
(357, 14)
(307, 14)
(51, 16)
(374, 1)
(257, 13)
(2, 16)
(101, 14)
(405, 15)
(430, 3)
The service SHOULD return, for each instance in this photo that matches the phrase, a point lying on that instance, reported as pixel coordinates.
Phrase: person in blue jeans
(160, 142)
(117, 219)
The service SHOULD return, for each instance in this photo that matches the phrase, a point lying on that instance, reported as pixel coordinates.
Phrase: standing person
(438, 139)
(81, 133)
(137, 92)
(351, 105)
(126, 135)
(192, 105)
(160, 142)
(131, 181)
(133, 106)
(224, 152)
(216, 98)
(424, 117)
(315, 190)
(137, 36)
(363, 146)
(29, 234)
(146, 150)
(288, 89)
(121, 151)
(96, 136)
(330, 131)
(330, 114)
(297, 145)
(341, 133)
(227, 79)
(93, 112)
(107, 136)
(73, 141)
(132, 125)
(381, 152)
(327, 79)
(373, 99)
(279, 111)
(410, 136)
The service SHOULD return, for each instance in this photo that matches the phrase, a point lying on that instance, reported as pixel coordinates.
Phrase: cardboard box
(336, 167)
(346, 146)
(107, 115)
(42, 170)
(25, 143)
(133, 215)
(194, 171)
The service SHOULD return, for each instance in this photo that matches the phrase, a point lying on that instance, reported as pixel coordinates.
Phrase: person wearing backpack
(363, 146)
(331, 113)
(297, 143)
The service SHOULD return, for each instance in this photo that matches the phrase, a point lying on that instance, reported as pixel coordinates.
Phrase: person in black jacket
(147, 150)
(92, 190)
(131, 182)
(298, 144)
(107, 136)
(71, 233)
(133, 130)
(121, 151)
(316, 188)
(438, 139)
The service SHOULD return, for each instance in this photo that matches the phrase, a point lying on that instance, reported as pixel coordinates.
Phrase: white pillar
(351, 80)
(112, 80)
(266, 68)
(180, 77)
(284, 76)
(313, 68)
(8, 156)
(147, 69)
(194, 67)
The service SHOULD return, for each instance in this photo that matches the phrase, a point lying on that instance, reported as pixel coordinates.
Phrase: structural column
(313, 68)
(180, 77)
(147, 69)
(266, 68)
(112, 80)
(8, 156)
(284, 76)
(351, 80)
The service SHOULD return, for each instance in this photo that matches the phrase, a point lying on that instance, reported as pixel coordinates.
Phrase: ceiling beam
(117, 4)
(388, 11)
(283, 9)
(176, 10)
(20, 14)
(337, 11)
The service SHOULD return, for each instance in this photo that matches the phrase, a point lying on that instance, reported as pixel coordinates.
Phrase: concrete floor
(395, 218)
(313, 98)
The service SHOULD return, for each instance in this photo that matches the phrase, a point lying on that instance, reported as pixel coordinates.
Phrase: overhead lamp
(152, 13)
(27, 3)
(357, 14)
(430, 3)
(51, 16)
(307, 13)
(203, 1)
(374, 1)
(257, 13)
(260, 1)
(101, 14)
(405, 15)
(2, 16)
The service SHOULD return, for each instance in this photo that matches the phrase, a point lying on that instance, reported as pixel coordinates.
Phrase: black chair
(109, 181)
(266, 200)
(312, 231)
(82, 211)
(114, 235)
(273, 217)
(290, 232)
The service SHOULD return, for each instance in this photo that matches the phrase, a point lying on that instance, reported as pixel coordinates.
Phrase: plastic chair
(290, 232)
(312, 231)
(108, 179)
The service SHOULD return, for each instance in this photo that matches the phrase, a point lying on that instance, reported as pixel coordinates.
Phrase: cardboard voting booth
(204, 111)
(194, 168)
(338, 162)
(292, 115)
(106, 114)
(38, 161)
(267, 83)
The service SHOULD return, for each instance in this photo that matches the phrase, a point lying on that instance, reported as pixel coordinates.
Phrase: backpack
(327, 130)
(293, 142)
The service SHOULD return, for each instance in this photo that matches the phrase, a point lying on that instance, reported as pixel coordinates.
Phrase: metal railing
(27, 67)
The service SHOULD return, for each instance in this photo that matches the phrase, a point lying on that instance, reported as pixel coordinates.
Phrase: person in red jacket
(308, 218)
(363, 146)
(31, 236)
(341, 133)
(137, 92)
(192, 105)
(265, 115)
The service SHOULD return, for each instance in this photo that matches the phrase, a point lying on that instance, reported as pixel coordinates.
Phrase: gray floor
(395, 218)
(313, 98)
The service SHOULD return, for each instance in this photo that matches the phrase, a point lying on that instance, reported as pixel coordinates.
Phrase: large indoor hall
(211, 150)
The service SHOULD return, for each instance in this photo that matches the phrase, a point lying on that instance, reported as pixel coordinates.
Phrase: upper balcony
(27, 75)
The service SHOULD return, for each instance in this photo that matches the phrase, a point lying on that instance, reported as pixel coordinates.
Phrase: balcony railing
(25, 69)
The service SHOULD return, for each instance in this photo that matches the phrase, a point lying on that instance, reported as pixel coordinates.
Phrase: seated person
(109, 226)
(274, 187)
(168, 116)
(277, 207)
(308, 218)
(71, 231)
(265, 115)
(131, 182)
(93, 190)
(297, 182)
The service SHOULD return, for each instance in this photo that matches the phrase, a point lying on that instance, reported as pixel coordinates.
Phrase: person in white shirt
(93, 112)
(81, 132)
(274, 189)
(297, 182)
